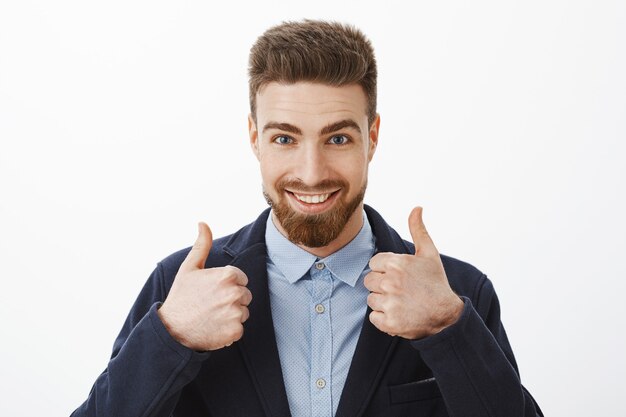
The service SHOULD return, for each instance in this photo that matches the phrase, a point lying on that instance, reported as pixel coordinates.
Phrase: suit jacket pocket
(414, 391)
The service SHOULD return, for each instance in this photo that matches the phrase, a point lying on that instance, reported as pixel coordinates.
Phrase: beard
(314, 230)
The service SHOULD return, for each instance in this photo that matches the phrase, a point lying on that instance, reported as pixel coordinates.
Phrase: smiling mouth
(312, 198)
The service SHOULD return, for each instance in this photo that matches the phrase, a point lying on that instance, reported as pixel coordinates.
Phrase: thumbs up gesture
(206, 308)
(409, 294)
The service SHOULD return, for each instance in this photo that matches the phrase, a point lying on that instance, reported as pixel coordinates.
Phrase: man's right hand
(206, 308)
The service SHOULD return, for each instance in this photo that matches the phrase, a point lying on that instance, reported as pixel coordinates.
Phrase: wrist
(448, 316)
(169, 323)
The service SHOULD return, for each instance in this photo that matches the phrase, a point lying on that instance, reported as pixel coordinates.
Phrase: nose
(311, 165)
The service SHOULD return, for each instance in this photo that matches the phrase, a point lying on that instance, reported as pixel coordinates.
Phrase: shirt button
(320, 383)
(319, 308)
(319, 265)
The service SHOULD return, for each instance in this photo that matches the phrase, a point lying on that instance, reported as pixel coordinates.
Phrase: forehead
(306, 103)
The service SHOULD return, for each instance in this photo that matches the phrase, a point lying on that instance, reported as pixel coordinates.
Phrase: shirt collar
(346, 264)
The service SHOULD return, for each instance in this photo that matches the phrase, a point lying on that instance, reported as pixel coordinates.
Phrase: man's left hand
(410, 294)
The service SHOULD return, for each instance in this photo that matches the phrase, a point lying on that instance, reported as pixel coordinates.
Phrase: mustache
(324, 185)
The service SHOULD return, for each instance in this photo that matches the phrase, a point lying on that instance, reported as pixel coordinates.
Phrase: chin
(314, 224)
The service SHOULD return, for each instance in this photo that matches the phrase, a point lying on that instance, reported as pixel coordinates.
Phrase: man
(318, 308)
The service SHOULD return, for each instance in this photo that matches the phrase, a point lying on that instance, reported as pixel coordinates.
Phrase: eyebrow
(283, 126)
(346, 123)
(333, 127)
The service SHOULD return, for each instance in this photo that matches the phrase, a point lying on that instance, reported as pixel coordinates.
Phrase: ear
(254, 136)
(373, 135)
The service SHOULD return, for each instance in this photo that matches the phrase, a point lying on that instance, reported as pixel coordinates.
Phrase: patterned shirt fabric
(318, 307)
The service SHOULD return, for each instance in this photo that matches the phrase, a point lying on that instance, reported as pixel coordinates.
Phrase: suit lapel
(374, 348)
(370, 357)
(258, 344)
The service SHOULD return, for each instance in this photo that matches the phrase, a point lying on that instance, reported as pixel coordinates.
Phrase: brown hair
(311, 50)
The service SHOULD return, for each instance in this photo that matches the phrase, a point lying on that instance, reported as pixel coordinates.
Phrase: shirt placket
(321, 341)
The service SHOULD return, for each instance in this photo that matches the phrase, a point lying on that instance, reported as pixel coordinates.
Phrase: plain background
(123, 123)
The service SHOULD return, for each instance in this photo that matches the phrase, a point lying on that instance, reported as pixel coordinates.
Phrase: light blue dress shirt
(318, 307)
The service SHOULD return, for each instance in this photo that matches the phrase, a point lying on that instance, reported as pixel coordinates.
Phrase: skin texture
(313, 139)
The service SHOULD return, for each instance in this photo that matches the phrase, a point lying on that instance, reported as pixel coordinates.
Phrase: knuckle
(367, 280)
(247, 297)
(397, 263)
(231, 270)
(245, 314)
(375, 301)
(374, 318)
(240, 291)
(228, 275)
(233, 294)
(370, 283)
(388, 285)
(236, 332)
(381, 323)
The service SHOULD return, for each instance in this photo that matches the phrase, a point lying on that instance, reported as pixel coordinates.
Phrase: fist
(409, 294)
(206, 308)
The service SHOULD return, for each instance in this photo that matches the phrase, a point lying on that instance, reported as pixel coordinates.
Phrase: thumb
(196, 257)
(423, 243)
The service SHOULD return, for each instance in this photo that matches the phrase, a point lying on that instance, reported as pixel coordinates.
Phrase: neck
(350, 230)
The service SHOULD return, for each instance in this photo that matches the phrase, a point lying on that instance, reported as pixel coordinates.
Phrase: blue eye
(339, 140)
(283, 140)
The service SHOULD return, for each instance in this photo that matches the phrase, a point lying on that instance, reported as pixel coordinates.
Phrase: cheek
(355, 170)
(270, 171)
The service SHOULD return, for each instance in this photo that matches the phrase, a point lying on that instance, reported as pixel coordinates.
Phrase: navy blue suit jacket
(466, 370)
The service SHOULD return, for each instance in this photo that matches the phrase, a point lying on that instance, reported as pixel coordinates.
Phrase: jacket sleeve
(148, 368)
(474, 365)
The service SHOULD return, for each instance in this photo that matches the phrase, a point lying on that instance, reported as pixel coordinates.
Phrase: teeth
(313, 199)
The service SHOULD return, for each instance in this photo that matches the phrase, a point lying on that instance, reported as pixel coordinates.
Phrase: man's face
(314, 146)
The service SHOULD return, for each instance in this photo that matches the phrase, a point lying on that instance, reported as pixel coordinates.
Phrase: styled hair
(324, 52)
